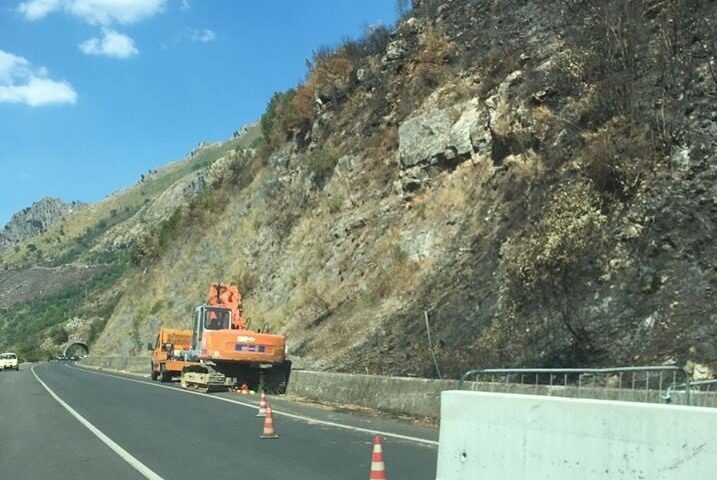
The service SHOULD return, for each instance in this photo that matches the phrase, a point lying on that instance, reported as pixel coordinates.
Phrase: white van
(8, 361)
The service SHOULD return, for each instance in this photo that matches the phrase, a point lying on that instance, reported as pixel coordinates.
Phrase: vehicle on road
(225, 351)
(8, 361)
(169, 352)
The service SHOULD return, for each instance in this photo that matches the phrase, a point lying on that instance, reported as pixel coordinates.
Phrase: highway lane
(284, 405)
(175, 433)
(39, 439)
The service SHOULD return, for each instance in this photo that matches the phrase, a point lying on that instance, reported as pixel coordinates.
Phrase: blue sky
(95, 92)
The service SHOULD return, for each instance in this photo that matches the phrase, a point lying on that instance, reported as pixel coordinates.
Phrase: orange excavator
(224, 351)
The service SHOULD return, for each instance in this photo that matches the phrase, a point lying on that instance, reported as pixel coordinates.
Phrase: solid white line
(124, 454)
(277, 412)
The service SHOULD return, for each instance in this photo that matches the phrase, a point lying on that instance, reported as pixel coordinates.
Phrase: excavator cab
(209, 318)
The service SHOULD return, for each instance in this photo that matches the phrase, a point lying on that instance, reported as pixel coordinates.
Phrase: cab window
(217, 319)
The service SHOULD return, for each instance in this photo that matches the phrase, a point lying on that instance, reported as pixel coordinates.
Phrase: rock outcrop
(34, 220)
(442, 139)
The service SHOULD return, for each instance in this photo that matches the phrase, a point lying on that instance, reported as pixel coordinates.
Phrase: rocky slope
(538, 178)
(33, 221)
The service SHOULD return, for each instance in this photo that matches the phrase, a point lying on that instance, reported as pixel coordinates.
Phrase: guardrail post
(466, 375)
(688, 392)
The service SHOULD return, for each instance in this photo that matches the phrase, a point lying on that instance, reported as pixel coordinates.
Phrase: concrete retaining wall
(137, 365)
(498, 435)
(417, 397)
(420, 397)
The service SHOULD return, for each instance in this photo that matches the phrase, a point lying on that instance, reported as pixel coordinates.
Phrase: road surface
(62, 422)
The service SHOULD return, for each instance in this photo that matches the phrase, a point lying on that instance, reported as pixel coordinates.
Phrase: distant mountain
(34, 220)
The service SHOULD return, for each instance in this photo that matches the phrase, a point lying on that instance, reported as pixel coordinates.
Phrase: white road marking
(277, 412)
(144, 470)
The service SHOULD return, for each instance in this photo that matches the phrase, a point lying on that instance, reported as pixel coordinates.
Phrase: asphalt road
(161, 432)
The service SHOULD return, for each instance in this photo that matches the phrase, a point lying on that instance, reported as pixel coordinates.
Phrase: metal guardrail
(696, 392)
(653, 384)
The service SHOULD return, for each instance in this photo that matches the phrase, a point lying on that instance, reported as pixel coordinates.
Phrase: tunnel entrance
(77, 349)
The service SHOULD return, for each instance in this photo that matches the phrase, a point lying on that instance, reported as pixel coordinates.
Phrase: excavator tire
(164, 376)
(277, 378)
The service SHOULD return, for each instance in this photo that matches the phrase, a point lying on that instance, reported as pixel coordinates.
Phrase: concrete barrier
(136, 365)
(499, 435)
(418, 397)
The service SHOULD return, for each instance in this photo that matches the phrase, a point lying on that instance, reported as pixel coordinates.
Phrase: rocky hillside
(78, 266)
(537, 178)
(33, 221)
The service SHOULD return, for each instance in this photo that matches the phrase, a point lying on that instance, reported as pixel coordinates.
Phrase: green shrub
(289, 115)
(322, 164)
(59, 335)
(558, 242)
(334, 203)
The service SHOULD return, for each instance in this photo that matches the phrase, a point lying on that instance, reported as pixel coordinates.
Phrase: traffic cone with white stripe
(378, 470)
(262, 406)
(268, 425)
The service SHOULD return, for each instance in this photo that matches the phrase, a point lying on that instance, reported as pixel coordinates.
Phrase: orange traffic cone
(378, 470)
(268, 425)
(262, 406)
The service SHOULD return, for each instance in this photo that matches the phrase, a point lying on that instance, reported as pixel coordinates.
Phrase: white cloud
(190, 35)
(38, 92)
(122, 11)
(11, 66)
(184, 6)
(96, 12)
(203, 36)
(36, 9)
(21, 83)
(111, 44)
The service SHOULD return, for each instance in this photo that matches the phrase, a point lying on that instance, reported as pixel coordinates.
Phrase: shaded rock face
(34, 220)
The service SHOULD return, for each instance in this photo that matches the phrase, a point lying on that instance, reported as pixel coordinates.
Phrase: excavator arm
(227, 296)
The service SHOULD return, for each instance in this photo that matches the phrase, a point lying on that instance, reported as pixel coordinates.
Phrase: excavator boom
(227, 296)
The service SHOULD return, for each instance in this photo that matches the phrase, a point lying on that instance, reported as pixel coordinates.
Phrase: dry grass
(527, 166)
(436, 49)
(617, 158)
